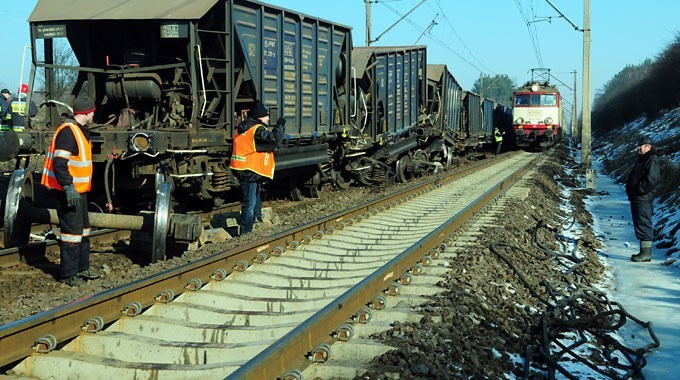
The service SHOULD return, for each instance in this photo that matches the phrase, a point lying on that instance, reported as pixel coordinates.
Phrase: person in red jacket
(252, 160)
(68, 175)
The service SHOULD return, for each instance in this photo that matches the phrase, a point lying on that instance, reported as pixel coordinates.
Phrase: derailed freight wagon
(389, 104)
(445, 102)
(472, 122)
(171, 79)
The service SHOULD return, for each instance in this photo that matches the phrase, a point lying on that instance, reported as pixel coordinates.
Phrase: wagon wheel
(161, 222)
(313, 186)
(402, 169)
(421, 162)
(296, 194)
(364, 177)
(341, 183)
(313, 191)
(17, 224)
(447, 158)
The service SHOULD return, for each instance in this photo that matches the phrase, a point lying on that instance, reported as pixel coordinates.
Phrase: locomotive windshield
(535, 100)
(548, 100)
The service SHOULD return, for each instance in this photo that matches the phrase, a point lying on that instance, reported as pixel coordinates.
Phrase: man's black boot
(645, 253)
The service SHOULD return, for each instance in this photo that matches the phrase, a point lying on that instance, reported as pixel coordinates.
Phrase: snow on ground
(648, 291)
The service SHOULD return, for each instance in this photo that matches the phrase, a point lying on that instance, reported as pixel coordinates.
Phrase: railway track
(267, 309)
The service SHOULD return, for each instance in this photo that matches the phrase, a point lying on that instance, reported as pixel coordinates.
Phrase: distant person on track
(252, 160)
(68, 174)
(498, 138)
(640, 187)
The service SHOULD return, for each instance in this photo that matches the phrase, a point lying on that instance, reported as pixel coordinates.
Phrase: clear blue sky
(469, 36)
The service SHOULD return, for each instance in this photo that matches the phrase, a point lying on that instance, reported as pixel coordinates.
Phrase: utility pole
(481, 85)
(585, 137)
(368, 22)
(574, 120)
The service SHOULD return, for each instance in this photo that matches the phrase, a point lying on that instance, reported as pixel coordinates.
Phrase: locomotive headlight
(519, 120)
(141, 142)
(548, 120)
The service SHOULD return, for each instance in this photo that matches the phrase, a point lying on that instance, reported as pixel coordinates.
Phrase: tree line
(644, 89)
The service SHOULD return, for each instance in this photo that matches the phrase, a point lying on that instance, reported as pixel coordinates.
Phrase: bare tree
(64, 80)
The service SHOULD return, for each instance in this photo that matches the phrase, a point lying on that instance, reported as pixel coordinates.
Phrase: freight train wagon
(171, 79)
(445, 102)
(389, 92)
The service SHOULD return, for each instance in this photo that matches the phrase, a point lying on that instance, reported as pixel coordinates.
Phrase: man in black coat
(640, 187)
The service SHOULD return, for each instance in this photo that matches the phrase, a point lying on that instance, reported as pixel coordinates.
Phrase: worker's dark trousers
(74, 226)
(642, 212)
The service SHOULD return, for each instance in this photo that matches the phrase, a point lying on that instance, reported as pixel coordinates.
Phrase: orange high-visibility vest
(245, 157)
(80, 166)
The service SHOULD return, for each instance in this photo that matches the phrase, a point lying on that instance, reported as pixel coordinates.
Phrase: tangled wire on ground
(579, 322)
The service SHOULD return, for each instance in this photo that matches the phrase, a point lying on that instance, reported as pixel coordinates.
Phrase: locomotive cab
(536, 114)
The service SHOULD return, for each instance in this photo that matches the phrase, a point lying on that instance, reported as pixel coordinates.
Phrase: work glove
(281, 128)
(72, 196)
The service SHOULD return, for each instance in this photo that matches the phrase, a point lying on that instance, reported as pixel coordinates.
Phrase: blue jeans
(251, 205)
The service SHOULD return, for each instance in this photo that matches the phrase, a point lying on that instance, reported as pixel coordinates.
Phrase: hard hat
(23, 89)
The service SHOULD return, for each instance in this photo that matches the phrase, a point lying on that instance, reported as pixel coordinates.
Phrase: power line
(532, 34)
(461, 40)
(433, 38)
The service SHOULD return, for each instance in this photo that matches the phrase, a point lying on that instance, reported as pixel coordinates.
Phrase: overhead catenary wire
(462, 42)
(533, 36)
(433, 38)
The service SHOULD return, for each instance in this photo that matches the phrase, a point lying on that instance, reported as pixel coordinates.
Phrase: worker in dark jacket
(252, 160)
(20, 109)
(5, 110)
(68, 174)
(498, 139)
(640, 187)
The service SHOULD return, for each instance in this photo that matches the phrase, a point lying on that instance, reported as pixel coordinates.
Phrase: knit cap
(258, 111)
(83, 105)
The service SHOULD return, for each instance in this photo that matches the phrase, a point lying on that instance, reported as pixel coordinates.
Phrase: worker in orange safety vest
(252, 160)
(68, 175)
